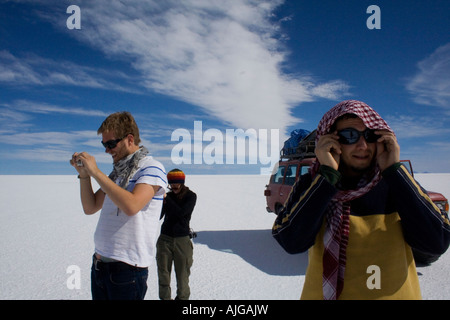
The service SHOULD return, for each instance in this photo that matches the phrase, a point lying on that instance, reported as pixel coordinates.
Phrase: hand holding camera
(76, 160)
(84, 163)
(79, 163)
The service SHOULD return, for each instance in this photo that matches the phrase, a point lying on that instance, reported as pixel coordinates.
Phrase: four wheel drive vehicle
(282, 180)
(292, 166)
(294, 162)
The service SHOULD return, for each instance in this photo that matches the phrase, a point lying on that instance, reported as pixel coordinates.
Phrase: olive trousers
(179, 252)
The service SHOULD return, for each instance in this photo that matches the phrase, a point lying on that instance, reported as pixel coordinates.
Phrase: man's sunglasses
(351, 135)
(111, 144)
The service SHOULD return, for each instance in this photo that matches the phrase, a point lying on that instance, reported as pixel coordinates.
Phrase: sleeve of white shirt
(151, 172)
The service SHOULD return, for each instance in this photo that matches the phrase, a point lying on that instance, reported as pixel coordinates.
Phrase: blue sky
(259, 65)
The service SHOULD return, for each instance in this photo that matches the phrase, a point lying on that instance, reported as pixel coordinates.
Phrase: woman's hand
(328, 150)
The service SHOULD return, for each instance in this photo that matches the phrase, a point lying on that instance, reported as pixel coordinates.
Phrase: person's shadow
(258, 248)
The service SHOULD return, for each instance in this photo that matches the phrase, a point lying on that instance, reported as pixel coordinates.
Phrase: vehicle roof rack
(305, 148)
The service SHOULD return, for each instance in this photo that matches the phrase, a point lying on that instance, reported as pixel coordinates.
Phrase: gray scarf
(126, 168)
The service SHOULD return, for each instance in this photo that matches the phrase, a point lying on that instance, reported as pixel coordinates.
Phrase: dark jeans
(117, 281)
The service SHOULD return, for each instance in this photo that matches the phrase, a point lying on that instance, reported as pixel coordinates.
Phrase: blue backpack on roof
(291, 144)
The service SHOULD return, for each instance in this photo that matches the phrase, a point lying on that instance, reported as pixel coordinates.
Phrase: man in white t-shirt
(130, 199)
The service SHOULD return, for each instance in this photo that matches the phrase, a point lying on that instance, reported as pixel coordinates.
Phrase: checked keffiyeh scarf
(338, 212)
(126, 168)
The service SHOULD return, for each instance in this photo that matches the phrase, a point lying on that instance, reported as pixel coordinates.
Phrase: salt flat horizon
(45, 236)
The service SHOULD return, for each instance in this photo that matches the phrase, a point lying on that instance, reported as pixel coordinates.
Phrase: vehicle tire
(278, 208)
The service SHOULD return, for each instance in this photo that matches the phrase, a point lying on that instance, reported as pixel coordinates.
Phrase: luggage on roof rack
(290, 145)
(300, 148)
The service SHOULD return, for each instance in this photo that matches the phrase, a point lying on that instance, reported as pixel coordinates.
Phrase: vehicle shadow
(258, 248)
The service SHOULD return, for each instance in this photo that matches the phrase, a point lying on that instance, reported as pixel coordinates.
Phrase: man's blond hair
(122, 124)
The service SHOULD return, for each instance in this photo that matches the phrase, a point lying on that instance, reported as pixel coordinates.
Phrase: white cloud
(35, 70)
(423, 140)
(406, 126)
(11, 120)
(53, 146)
(45, 108)
(52, 154)
(431, 84)
(50, 145)
(13, 70)
(53, 138)
(332, 90)
(224, 56)
(18, 115)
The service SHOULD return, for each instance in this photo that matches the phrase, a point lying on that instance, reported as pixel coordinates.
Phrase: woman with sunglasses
(359, 212)
(352, 148)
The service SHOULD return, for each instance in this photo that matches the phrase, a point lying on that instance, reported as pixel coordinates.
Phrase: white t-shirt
(132, 239)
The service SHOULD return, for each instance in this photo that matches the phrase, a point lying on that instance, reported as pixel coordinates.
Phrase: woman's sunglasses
(351, 135)
(111, 144)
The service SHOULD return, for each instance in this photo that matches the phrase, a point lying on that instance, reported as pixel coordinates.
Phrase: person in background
(359, 212)
(174, 245)
(130, 199)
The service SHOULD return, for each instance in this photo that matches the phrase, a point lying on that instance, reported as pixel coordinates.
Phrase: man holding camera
(130, 199)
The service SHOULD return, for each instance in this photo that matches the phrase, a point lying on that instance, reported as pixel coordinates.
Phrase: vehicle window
(291, 174)
(278, 177)
(303, 170)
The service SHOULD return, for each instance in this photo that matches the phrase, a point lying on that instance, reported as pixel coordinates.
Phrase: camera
(79, 163)
(192, 233)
